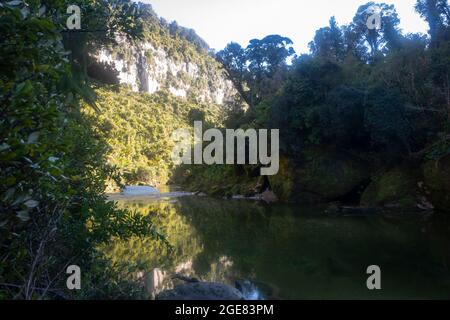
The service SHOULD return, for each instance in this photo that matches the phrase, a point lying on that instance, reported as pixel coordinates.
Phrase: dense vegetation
(363, 118)
(371, 98)
(138, 128)
(53, 212)
(372, 90)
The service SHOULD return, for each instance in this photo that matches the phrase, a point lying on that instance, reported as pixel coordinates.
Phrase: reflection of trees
(147, 254)
(309, 254)
(302, 251)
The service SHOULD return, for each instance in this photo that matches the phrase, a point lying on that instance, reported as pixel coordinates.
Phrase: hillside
(168, 58)
(138, 126)
(149, 87)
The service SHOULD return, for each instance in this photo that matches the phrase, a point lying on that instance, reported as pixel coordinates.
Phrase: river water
(289, 251)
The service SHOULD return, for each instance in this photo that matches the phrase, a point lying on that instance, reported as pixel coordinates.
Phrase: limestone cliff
(169, 58)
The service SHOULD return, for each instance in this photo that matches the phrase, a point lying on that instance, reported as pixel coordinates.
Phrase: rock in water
(322, 176)
(269, 196)
(394, 188)
(201, 291)
(248, 289)
(131, 191)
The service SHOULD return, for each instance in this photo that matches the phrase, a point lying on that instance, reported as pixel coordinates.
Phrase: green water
(293, 252)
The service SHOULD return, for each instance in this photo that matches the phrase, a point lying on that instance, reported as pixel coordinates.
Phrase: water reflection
(290, 252)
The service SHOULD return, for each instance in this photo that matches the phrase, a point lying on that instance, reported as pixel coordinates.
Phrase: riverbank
(325, 176)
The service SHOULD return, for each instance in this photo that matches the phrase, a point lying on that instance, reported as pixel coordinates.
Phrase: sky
(219, 22)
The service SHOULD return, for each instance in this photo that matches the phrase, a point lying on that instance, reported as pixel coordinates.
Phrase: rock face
(396, 187)
(321, 177)
(146, 67)
(201, 291)
(437, 182)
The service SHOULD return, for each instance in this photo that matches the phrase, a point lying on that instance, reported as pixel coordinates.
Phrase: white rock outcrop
(146, 68)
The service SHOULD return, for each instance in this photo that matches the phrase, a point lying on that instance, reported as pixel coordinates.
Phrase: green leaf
(33, 137)
(53, 159)
(23, 215)
(31, 204)
(42, 9)
(8, 194)
(4, 146)
(24, 88)
(25, 12)
(20, 199)
(14, 3)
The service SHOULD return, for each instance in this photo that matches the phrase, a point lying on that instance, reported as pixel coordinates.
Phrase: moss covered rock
(331, 175)
(283, 182)
(322, 176)
(437, 181)
(398, 186)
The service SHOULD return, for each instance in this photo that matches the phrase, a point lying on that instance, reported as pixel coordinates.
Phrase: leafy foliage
(258, 71)
(53, 166)
(371, 90)
(375, 92)
(137, 128)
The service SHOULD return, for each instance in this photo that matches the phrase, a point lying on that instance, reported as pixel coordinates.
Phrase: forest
(364, 121)
(363, 118)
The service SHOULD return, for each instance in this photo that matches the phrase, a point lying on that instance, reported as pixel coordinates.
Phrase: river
(289, 251)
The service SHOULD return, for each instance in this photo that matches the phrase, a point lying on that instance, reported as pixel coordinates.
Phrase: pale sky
(219, 22)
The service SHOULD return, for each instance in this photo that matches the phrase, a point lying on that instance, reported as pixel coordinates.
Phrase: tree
(297, 109)
(437, 15)
(102, 22)
(53, 167)
(268, 55)
(370, 42)
(386, 121)
(257, 71)
(329, 42)
(234, 60)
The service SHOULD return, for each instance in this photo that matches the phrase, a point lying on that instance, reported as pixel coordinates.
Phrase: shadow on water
(291, 252)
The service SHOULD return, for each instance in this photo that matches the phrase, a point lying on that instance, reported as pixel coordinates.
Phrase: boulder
(322, 176)
(437, 182)
(201, 291)
(269, 196)
(398, 187)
